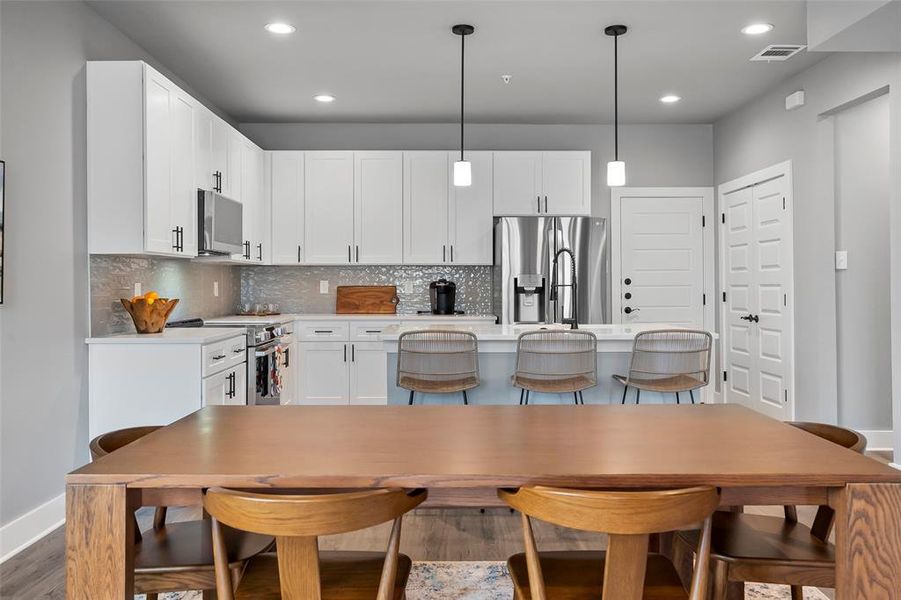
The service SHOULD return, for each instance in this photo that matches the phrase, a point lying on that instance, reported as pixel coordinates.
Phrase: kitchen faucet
(574, 303)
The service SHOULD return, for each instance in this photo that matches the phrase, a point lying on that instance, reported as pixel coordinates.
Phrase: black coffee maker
(443, 294)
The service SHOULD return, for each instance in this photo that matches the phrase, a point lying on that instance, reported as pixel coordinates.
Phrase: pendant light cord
(462, 84)
(616, 97)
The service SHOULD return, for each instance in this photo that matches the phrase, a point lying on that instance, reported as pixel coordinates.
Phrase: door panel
(471, 220)
(566, 183)
(517, 184)
(287, 187)
(329, 198)
(740, 297)
(369, 373)
(378, 207)
(324, 373)
(425, 208)
(662, 256)
(158, 235)
(184, 194)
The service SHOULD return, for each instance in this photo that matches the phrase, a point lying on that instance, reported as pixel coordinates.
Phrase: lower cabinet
(226, 388)
(342, 373)
(289, 377)
(368, 373)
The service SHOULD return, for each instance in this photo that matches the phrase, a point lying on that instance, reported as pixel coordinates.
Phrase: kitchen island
(497, 361)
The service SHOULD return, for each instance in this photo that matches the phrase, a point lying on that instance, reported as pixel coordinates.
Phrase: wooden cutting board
(367, 299)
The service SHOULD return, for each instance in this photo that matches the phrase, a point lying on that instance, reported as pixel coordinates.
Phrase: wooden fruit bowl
(149, 317)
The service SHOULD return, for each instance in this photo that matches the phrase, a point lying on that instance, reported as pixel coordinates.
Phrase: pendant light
(616, 169)
(462, 167)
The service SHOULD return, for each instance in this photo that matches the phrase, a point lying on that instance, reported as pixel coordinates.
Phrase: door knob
(630, 310)
(751, 318)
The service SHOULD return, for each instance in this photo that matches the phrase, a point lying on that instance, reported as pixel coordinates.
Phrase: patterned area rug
(487, 580)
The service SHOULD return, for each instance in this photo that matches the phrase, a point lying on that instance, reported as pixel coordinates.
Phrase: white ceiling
(398, 61)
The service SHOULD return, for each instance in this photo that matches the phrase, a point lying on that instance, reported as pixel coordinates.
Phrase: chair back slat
(437, 355)
(664, 353)
(554, 354)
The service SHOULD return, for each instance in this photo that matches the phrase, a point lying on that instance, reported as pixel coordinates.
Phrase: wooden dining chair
(770, 549)
(625, 571)
(556, 362)
(176, 557)
(668, 361)
(297, 570)
(438, 362)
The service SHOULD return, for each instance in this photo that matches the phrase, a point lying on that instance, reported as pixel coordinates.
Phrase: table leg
(868, 541)
(99, 541)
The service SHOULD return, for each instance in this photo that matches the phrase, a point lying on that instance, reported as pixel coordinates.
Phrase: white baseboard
(879, 439)
(20, 533)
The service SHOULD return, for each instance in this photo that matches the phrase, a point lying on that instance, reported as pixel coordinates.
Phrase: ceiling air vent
(778, 52)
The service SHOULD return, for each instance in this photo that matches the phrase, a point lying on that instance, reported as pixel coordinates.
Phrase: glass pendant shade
(462, 173)
(616, 173)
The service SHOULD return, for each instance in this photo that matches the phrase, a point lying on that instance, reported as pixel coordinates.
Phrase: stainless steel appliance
(220, 224)
(529, 289)
(443, 296)
(268, 354)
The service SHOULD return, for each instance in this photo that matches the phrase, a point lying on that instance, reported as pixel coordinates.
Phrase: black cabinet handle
(298, 253)
(358, 254)
(175, 243)
(545, 204)
(287, 357)
(452, 253)
(353, 353)
(260, 251)
(345, 352)
(247, 249)
(219, 357)
(443, 253)
(323, 331)
(349, 259)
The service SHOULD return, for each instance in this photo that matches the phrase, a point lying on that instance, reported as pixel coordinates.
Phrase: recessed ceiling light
(280, 28)
(326, 98)
(670, 98)
(757, 29)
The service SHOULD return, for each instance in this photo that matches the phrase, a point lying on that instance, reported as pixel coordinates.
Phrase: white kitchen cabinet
(323, 372)
(211, 135)
(226, 388)
(329, 207)
(255, 208)
(289, 375)
(140, 159)
(470, 219)
(542, 183)
(286, 192)
(378, 207)
(425, 208)
(368, 370)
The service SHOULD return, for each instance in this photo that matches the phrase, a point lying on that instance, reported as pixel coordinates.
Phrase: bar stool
(554, 361)
(626, 571)
(175, 557)
(297, 569)
(438, 362)
(668, 360)
(747, 547)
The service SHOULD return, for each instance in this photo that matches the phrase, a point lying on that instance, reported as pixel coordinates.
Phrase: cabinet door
(236, 156)
(239, 386)
(252, 159)
(566, 182)
(329, 207)
(471, 222)
(289, 375)
(517, 184)
(231, 178)
(286, 192)
(184, 194)
(226, 388)
(324, 373)
(425, 208)
(378, 207)
(368, 373)
(159, 236)
(204, 177)
(219, 155)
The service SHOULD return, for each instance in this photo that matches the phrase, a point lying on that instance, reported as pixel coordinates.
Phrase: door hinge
(724, 296)
(704, 299)
(723, 218)
(703, 221)
(725, 376)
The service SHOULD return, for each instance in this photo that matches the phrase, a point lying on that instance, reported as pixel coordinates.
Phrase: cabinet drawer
(327, 331)
(223, 355)
(368, 331)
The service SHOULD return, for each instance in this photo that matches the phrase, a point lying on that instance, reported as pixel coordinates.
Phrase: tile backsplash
(114, 277)
(296, 289)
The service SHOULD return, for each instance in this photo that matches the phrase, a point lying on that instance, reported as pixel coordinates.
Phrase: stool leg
(637, 395)
(692, 394)
(677, 398)
(527, 396)
(465, 399)
(522, 394)
(575, 397)
(411, 397)
(581, 398)
(625, 389)
(797, 592)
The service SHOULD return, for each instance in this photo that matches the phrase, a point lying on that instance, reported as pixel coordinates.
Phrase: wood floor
(429, 534)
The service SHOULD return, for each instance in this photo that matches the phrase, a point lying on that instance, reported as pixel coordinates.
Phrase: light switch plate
(323, 286)
(216, 289)
(137, 289)
(408, 287)
(841, 260)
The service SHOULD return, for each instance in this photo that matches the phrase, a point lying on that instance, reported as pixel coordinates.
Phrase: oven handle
(267, 349)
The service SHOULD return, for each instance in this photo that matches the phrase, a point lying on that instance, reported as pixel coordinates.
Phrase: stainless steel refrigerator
(527, 287)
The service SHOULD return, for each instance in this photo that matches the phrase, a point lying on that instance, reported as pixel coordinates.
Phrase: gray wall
(43, 375)
(762, 134)
(655, 155)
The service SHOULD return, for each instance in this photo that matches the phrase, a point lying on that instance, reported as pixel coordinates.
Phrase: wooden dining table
(462, 454)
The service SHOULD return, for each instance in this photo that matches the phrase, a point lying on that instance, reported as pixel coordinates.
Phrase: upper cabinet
(542, 183)
(470, 222)
(140, 156)
(256, 209)
(329, 207)
(378, 208)
(286, 192)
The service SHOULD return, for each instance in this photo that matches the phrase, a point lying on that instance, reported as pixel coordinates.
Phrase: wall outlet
(216, 289)
(841, 260)
(138, 289)
(407, 288)
(323, 286)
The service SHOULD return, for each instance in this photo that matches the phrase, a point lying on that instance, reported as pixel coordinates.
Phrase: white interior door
(757, 277)
(662, 262)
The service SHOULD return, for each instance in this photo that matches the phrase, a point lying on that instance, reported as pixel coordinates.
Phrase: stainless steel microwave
(220, 224)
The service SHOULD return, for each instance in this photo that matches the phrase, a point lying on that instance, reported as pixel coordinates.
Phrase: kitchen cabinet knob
(628, 295)
(627, 281)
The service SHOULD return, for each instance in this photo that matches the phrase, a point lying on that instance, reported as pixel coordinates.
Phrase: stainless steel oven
(220, 223)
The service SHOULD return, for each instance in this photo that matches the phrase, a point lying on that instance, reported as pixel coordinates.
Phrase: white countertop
(509, 333)
(181, 335)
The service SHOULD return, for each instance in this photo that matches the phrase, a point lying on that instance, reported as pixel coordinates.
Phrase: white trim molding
(22, 532)
(879, 439)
